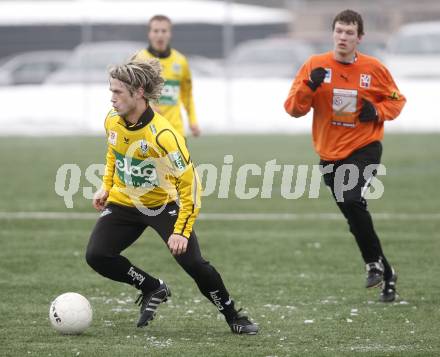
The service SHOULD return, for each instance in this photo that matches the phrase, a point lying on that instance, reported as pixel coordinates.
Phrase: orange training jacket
(337, 131)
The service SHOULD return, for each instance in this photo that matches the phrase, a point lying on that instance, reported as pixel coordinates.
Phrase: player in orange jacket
(352, 95)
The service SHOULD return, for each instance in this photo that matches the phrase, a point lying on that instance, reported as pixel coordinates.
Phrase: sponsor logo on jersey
(177, 160)
(112, 137)
(328, 75)
(153, 129)
(344, 107)
(170, 92)
(365, 80)
(135, 172)
(126, 140)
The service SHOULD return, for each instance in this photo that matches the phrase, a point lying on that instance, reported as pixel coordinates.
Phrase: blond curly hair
(136, 74)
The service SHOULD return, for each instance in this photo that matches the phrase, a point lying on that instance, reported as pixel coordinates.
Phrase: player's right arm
(299, 100)
(100, 197)
(107, 179)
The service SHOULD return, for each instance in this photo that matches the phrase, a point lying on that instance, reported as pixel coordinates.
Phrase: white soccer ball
(70, 314)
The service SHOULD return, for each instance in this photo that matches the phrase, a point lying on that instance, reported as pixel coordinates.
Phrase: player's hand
(368, 111)
(195, 130)
(317, 76)
(177, 244)
(99, 199)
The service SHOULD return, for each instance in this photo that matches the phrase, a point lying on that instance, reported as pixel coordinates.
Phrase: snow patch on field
(155, 342)
(380, 348)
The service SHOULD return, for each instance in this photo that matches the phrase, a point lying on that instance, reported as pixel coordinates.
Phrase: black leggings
(119, 227)
(354, 206)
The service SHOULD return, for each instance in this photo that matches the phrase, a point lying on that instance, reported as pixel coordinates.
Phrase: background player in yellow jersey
(148, 168)
(177, 90)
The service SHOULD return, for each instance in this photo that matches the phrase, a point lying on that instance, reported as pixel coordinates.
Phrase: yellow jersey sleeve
(187, 181)
(186, 95)
(107, 180)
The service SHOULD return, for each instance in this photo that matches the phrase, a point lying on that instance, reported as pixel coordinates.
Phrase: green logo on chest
(135, 172)
(170, 93)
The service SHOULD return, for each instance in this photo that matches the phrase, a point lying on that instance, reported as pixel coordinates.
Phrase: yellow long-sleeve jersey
(177, 89)
(148, 166)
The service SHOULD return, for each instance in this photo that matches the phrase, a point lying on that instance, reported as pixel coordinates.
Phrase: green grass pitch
(301, 280)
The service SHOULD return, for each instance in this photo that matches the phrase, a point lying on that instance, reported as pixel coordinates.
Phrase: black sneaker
(240, 324)
(149, 303)
(374, 275)
(388, 293)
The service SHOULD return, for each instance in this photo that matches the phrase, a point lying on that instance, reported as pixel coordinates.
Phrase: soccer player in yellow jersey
(177, 89)
(148, 170)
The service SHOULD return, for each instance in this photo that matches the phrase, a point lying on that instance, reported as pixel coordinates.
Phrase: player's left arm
(391, 100)
(187, 181)
(186, 96)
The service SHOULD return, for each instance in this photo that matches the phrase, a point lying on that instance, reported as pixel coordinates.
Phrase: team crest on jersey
(144, 147)
(176, 67)
(328, 75)
(365, 80)
(112, 137)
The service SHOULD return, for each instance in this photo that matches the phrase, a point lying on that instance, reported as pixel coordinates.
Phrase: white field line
(229, 216)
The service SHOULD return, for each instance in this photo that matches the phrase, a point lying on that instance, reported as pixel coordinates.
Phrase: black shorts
(365, 160)
(120, 226)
